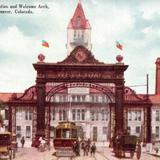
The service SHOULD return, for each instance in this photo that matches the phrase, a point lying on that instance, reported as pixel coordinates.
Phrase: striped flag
(45, 43)
(119, 46)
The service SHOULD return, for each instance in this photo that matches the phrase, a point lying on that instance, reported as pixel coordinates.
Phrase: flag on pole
(45, 43)
(119, 46)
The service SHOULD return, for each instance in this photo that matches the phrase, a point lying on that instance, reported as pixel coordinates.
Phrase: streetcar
(65, 137)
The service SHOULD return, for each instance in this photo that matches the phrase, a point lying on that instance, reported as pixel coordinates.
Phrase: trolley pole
(148, 105)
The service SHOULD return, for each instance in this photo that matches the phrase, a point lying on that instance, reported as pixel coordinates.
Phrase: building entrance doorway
(94, 133)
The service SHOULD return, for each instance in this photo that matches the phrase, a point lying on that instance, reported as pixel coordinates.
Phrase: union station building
(83, 90)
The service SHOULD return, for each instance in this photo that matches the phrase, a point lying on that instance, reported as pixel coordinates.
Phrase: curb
(153, 154)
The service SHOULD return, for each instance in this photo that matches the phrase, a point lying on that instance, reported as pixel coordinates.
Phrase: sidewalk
(153, 153)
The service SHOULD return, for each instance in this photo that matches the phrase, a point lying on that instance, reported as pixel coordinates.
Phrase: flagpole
(147, 89)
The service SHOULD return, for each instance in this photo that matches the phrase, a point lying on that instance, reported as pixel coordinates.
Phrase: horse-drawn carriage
(127, 143)
(6, 146)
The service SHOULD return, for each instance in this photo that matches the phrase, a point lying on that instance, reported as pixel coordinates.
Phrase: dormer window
(78, 21)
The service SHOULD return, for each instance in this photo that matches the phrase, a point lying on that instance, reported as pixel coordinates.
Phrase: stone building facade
(91, 109)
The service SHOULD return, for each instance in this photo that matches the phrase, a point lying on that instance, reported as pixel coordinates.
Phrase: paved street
(102, 154)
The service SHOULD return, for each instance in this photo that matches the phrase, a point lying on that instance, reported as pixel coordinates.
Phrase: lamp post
(48, 124)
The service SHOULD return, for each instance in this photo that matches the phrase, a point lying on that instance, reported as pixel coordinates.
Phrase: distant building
(83, 103)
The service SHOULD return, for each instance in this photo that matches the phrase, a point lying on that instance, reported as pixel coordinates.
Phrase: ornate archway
(80, 67)
(107, 104)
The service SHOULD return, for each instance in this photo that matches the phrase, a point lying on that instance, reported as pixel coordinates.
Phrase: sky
(134, 23)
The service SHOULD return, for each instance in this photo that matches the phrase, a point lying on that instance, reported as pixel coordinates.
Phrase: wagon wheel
(120, 152)
(139, 151)
(116, 152)
(132, 154)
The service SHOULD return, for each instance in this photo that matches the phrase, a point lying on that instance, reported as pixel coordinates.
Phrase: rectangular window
(157, 115)
(6, 114)
(92, 115)
(157, 131)
(64, 114)
(95, 133)
(30, 115)
(96, 114)
(53, 114)
(96, 99)
(92, 98)
(73, 114)
(106, 115)
(138, 129)
(83, 114)
(74, 33)
(103, 99)
(130, 116)
(64, 98)
(78, 98)
(60, 99)
(60, 115)
(103, 115)
(78, 114)
(83, 98)
(18, 128)
(137, 115)
(28, 131)
(104, 130)
(26, 114)
(73, 98)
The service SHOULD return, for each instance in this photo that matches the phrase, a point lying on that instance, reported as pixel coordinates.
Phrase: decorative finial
(119, 58)
(41, 58)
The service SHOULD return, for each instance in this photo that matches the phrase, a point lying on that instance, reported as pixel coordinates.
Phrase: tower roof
(79, 20)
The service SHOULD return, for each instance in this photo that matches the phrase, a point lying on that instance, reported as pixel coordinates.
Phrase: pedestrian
(77, 148)
(83, 147)
(74, 147)
(93, 149)
(88, 144)
(22, 141)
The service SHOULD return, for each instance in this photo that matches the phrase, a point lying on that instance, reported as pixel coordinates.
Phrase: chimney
(158, 75)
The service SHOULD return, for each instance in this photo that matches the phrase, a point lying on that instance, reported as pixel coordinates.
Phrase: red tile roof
(6, 96)
(155, 99)
(79, 20)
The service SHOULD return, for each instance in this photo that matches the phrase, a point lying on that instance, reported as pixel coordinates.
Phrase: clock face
(80, 56)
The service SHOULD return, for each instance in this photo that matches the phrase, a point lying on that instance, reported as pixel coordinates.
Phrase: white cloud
(150, 9)
(13, 41)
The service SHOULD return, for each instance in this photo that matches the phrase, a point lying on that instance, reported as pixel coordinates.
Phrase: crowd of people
(86, 146)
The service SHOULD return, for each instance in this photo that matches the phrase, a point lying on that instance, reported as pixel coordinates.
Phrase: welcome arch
(80, 67)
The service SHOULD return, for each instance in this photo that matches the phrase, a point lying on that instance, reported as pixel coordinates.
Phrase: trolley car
(66, 136)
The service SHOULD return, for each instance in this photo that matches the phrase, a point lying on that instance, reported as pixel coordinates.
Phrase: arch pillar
(40, 88)
(119, 107)
(10, 119)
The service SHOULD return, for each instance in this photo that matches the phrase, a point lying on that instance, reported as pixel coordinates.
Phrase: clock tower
(78, 30)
